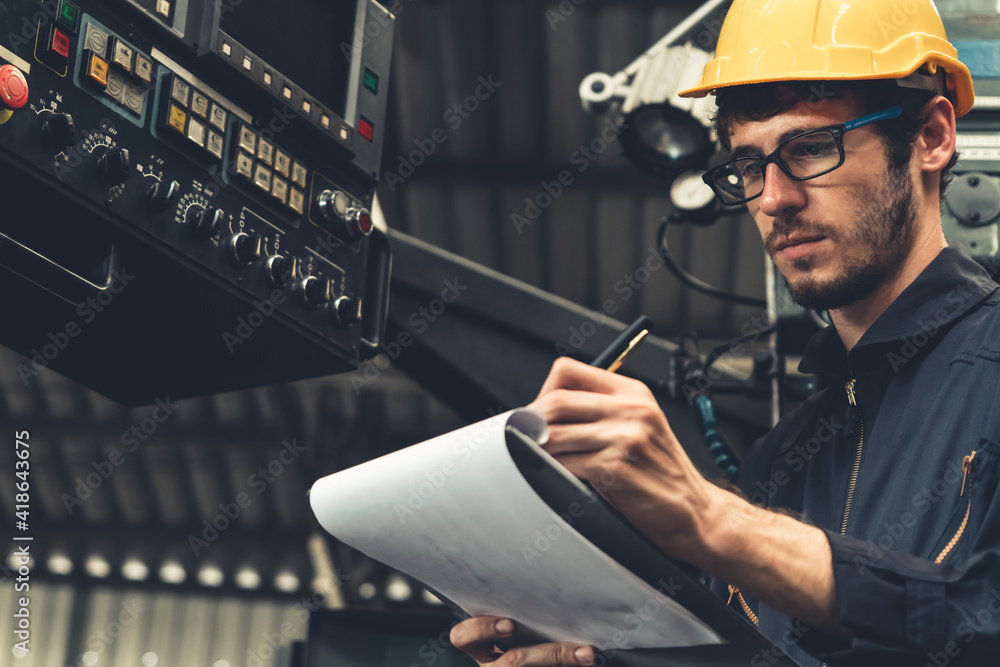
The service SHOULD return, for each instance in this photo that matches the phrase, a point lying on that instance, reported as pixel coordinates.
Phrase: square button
(299, 174)
(248, 140)
(199, 103)
(247, 63)
(282, 163)
(267, 78)
(227, 49)
(97, 70)
(366, 129)
(286, 92)
(262, 178)
(297, 200)
(116, 86)
(196, 132)
(96, 40)
(134, 98)
(307, 106)
(370, 81)
(176, 118)
(144, 68)
(122, 55)
(218, 116)
(163, 8)
(69, 15)
(244, 165)
(215, 144)
(265, 152)
(279, 189)
(59, 44)
(180, 91)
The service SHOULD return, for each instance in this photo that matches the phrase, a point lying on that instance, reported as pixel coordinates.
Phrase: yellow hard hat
(811, 40)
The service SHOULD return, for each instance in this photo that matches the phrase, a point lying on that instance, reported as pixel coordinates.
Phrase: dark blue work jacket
(903, 479)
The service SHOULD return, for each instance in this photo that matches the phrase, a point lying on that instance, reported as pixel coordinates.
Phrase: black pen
(621, 347)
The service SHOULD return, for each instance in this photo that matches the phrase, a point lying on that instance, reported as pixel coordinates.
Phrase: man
(883, 541)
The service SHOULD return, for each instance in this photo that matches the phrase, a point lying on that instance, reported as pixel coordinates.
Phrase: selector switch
(58, 131)
(245, 248)
(162, 195)
(280, 270)
(316, 291)
(114, 167)
(347, 310)
(204, 223)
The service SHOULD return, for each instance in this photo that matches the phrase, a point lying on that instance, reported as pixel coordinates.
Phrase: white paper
(455, 513)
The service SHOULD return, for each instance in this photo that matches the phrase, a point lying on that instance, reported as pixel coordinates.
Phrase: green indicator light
(69, 13)
(371, 81)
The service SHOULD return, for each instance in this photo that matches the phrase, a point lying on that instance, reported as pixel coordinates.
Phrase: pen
(621, 347)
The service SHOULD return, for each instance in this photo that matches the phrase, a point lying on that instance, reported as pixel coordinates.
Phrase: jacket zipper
(733, 590)
(849, 387)
(966, 469)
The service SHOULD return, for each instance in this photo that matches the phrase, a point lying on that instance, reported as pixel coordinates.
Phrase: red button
(60, 43)
(13, 87)
(366, 129)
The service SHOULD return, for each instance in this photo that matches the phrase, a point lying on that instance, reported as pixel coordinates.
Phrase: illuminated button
(215, 144)
(163, 8)
(265, 152)
(69, 15)
(134, 98)
(122, 55)
(176, 118)
(279, 189)
(227, 49)
(144, 68)
(299, 174)
(218, 116)
(96, 40)
(307, 106)
(262, 178)
(248, 140)
(370, 81)
(116, 86)
(282, 163)
(97, 70)
(180, 91)
(247, 63)
(344, 134)
(366, 129)
(196, 132)
(13, 87)
(297, 201)
(59, 44)
(286, 92)
(244, 165)
(199, 103)
(325, 121)
(267, 78)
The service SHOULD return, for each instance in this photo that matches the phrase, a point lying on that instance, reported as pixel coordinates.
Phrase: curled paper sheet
(456, 513)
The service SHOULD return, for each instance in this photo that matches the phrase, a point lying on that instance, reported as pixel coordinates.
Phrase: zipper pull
(732, 592)
(966, 468)
(850, 392)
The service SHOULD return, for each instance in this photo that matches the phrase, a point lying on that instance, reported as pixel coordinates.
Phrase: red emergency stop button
(13, 87)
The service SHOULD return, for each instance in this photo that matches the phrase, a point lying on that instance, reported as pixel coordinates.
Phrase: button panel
(260, 161)
(115, 68)
(192, 116)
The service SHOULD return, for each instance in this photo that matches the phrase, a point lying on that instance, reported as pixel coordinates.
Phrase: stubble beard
(881, 241)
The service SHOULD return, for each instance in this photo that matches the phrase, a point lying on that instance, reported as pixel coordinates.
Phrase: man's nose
(781, 192)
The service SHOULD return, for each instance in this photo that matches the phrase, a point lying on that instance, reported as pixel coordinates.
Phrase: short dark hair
(765, 100)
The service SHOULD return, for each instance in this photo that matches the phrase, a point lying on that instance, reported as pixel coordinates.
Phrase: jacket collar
(951, 285)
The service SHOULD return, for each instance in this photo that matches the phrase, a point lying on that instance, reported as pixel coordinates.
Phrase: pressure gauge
(693, 198)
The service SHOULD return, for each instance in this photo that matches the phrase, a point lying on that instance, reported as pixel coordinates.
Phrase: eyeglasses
(804, 156)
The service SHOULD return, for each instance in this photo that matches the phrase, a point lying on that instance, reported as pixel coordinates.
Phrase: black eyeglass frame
(837, 131)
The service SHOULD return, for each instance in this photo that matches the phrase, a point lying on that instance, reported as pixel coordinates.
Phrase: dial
(690, 193)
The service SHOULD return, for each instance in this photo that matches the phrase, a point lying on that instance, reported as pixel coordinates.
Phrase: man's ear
(935, 142)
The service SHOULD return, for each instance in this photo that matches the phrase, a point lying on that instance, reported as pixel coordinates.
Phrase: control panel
(196, 172)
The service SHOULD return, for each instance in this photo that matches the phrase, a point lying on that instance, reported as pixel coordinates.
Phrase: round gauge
(690, 193)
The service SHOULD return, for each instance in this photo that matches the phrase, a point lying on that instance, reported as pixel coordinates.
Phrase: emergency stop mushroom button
(13, 90)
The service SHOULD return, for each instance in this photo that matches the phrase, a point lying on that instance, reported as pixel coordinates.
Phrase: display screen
(301, 39)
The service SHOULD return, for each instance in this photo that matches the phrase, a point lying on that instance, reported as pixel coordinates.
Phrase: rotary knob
(204, 222)
(315, 291)
(245, 248)
(347, 310)
(114, 167)
(58, 131)
(280, 270)
(162, 196)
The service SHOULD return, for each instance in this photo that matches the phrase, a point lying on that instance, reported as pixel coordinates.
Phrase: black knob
(162, 195)
(204, 223)
(280, 270)
(246, 248)
(316, 291)
(114, 167)
(347, 310)
(58, 131)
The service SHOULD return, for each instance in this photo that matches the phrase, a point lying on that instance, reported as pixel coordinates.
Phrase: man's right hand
(480, 636)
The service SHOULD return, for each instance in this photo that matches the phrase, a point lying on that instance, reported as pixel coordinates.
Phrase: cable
(719, 350)
(696, 283)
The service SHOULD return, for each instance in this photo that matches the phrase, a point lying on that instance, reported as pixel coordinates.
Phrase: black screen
(304, 40)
